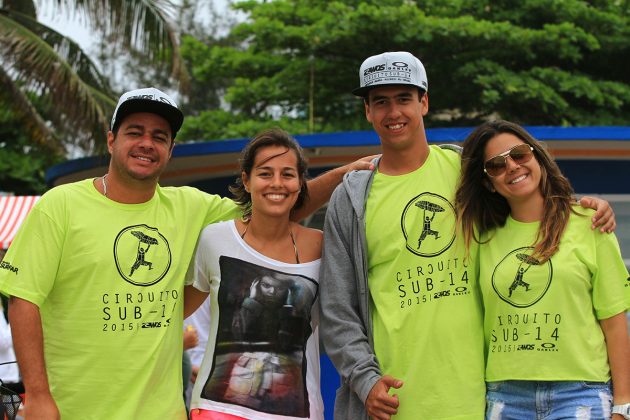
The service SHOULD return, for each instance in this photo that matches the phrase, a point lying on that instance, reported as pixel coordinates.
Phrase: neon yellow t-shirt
(542, 318)
(108, 279)
(425, 303)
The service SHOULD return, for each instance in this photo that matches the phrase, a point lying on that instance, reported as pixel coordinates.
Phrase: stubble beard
(132, 175)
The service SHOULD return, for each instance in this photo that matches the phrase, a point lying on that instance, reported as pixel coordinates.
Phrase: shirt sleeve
(219, 209)
(199, 274)
(30, 266)
(611, 284)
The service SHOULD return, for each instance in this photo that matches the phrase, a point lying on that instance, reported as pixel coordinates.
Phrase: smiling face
(396, 113)
(274, 182)
(141, 147)
(519, 184)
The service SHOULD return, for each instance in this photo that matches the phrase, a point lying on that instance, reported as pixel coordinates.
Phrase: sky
(72, 27)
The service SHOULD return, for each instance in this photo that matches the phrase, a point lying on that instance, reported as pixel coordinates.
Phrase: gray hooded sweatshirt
(349, 343)
(345, 318)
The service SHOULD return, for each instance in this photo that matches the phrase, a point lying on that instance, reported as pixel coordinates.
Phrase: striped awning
(13, 210)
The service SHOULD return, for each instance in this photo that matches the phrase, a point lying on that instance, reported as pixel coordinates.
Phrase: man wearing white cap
(96, 276)
(399, 298)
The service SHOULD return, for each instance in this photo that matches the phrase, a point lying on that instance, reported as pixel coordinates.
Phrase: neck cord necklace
(297, 256)
(104, 183)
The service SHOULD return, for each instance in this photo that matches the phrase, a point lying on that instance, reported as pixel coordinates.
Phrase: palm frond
(31, 61)
(67, 49)
(142, 25)
(37, 60)
(39, 131)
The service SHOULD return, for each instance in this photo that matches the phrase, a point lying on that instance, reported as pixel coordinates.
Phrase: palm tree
(38, 62)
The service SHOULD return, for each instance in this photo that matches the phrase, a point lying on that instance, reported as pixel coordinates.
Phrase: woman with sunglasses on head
(554, 291)
(262, 356)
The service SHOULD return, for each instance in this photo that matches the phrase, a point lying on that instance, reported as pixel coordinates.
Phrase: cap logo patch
(141, 97)
(372, 69)
(391, 73)
(152, 98)
(391, 68)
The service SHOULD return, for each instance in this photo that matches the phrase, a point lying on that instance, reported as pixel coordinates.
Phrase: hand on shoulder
(364, 163)
(604, 217)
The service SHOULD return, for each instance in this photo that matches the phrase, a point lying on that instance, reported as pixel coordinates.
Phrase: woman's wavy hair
(269, 137)
(480, 209)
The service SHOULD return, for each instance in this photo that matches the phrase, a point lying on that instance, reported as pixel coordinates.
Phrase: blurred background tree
(74, 98)
(23, 163)
(293, 63)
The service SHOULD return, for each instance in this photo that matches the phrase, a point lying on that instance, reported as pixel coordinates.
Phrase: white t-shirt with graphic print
(262, 357)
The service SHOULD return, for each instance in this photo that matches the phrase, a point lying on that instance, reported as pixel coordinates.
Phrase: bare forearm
(321, 188)
(618, 346)
(193, 298)
(28, 342)
(319, 192)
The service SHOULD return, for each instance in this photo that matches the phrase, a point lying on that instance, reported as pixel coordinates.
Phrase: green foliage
(294, 62)
(22, 163)
(224, 122)
(53, 97)
(36, 61)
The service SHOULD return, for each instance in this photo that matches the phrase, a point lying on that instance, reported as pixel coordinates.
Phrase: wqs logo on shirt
(428, 224)
(142, 255)
(520, 279)
(5, 265)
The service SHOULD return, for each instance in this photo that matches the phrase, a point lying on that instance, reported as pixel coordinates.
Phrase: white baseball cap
(148, 100)
(391, 68)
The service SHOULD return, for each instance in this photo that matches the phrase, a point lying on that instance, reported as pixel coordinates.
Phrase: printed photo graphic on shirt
(142, 255)
(428, 224)
(520, 279)
(265, 321)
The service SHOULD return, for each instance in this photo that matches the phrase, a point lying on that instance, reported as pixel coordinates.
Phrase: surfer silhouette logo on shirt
(521, 279)
(428, 224)
(142, 255)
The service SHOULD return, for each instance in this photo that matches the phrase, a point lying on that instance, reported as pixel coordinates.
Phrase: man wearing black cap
(96, 276)
(400, 307)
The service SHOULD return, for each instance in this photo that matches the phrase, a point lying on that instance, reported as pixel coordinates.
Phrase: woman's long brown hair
(480, 209)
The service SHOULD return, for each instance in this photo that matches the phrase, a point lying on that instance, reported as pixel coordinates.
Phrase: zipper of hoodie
(366, 294)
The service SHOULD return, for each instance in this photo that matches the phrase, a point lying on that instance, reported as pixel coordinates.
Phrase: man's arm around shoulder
(321, 187)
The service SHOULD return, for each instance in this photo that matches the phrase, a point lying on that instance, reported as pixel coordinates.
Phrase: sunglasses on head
(497, 165)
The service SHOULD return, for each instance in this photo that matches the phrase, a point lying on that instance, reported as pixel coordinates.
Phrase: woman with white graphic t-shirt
(261, 271)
